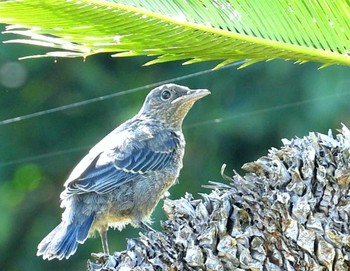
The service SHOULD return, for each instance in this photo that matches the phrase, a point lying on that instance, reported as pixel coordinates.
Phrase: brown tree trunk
(289, 212)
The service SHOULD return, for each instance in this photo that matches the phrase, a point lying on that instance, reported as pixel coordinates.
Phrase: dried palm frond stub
(289, 212)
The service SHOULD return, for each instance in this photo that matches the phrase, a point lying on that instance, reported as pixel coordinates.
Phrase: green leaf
(224, 30)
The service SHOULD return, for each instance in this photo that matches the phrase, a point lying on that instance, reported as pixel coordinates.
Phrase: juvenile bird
(124, 176)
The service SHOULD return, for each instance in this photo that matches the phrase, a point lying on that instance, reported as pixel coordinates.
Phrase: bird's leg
(146, 227)
(103, 234)
(102, 258)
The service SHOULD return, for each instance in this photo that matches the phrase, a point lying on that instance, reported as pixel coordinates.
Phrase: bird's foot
(100, 257)
(103, 261)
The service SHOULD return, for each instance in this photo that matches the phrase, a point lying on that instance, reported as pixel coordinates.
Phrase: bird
(123, 177)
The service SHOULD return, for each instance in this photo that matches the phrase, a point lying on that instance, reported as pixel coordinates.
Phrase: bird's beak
(192, 95)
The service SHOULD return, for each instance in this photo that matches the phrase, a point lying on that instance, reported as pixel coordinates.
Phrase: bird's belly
(134, 202)
(149, 192)
(112, 219)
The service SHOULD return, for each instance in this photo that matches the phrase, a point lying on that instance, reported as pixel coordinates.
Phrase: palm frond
(225, 30)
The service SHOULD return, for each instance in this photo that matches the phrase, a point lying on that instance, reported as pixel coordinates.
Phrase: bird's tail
(62, 242)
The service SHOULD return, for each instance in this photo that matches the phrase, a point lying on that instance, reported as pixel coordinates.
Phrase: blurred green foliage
(249, 111)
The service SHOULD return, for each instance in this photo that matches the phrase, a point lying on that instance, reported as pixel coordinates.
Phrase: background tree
(249, 111)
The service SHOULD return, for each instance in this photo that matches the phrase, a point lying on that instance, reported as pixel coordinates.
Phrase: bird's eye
(166, 94)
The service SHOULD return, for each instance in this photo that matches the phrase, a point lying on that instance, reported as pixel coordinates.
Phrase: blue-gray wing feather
(123, 164)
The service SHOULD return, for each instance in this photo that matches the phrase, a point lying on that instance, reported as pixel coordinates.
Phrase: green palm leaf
(225, 30)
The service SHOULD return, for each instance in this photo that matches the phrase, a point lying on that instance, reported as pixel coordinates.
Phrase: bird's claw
(103, 262)
(100, 257)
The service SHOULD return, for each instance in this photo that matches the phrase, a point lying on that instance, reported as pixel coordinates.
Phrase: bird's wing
(132, 155)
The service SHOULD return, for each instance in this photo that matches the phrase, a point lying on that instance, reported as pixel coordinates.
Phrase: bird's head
(170, 103)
